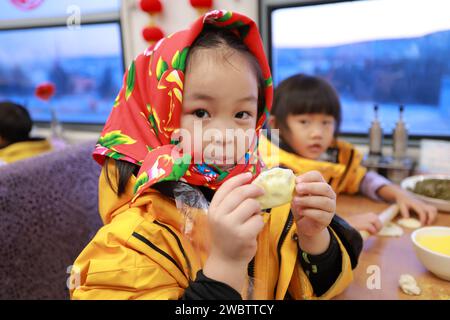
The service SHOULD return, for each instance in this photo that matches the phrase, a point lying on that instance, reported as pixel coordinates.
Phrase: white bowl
(437, 263)
(410, 183)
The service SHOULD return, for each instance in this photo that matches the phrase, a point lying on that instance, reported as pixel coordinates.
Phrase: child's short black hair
(15, 122)
(302, 94)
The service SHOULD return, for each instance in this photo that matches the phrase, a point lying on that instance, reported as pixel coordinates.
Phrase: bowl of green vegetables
(433, 189)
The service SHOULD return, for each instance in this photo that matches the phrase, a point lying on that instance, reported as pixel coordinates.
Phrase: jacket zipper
(177, 239)
(251, 275)
(154, 247)
(287, 227)
(347, 167)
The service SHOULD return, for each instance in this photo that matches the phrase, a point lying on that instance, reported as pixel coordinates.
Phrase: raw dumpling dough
(409, 285)
(409, 223)
(391, 230)
(278, 185)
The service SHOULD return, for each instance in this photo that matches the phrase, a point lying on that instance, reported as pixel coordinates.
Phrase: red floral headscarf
(147, 110)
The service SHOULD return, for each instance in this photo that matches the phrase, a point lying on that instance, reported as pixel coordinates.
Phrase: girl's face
(309, 135)
(220, 103)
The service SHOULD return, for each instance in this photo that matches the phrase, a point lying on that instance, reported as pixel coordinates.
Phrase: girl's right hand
(235, 222)
(366, 222)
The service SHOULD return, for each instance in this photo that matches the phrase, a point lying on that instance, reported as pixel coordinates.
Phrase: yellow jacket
(344, 176)
(141, 253)
(23, 150)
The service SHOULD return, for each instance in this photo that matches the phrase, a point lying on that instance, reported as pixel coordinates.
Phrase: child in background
(215, 76)
(15, 141)
(307, 112)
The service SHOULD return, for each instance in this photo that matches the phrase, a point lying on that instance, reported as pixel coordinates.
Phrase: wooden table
(393, 256)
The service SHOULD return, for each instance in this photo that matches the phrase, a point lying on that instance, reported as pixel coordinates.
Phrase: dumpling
(278, 185)
(409, 223)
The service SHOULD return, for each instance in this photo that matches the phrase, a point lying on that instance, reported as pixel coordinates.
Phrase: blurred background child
(307, 111)
(15, 141)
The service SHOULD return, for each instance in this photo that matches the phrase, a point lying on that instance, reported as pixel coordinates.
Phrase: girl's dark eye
(201, 113)
(242, 115)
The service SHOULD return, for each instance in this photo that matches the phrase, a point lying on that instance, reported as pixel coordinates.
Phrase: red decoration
(151, 6)
(152, 33)
(45, 91)
(202, 4)
(27, 4)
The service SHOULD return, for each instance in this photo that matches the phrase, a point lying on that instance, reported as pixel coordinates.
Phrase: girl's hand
(366, 222)
(235, 222)
(406, 202)
(313, 207)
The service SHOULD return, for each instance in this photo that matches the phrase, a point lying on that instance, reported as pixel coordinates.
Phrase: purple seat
(48, 213)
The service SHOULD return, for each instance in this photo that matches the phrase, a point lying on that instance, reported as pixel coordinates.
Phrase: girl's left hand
(314, 204)
(406, 202)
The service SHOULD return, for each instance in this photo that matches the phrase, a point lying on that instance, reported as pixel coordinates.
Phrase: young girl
(162, 239)
(307, 112)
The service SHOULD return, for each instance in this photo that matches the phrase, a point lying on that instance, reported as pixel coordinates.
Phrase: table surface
(393, 256)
